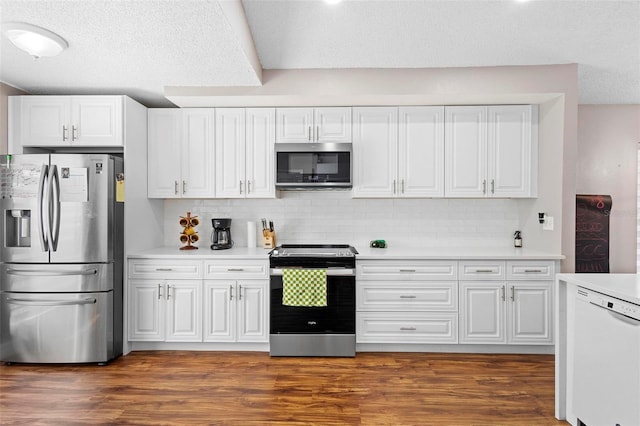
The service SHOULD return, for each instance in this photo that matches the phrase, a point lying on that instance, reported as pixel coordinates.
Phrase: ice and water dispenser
(18, 184)
(18, 228)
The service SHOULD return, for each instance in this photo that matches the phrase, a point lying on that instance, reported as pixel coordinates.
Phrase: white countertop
(621, 286)
(477, 253)
(391, 253)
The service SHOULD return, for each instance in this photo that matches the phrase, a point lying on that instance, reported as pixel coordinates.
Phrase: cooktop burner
(314, 250)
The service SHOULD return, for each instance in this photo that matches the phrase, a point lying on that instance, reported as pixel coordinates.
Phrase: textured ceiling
(138, 47)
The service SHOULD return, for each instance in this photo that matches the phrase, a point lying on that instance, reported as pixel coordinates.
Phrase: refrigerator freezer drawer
(56, 277)
(56, 328)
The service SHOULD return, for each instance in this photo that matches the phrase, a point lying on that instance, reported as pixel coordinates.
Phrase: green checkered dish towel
(304, 287)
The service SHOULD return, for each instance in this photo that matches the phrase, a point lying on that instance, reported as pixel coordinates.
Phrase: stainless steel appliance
(221, 234)
(310, 330)
(61, 258)
(313, 165)
(606, 378)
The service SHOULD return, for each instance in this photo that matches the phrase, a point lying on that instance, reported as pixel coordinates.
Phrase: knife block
(268, 239)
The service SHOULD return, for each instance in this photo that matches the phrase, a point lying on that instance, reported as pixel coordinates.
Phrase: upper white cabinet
(66, 121)
(491, 151)
(245, 152)
(329, 124)
(375, 151)
(181, 153)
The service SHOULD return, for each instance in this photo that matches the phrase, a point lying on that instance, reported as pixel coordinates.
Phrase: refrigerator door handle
(35, 302)
(55, 205)
(44, 272)
(43, 229)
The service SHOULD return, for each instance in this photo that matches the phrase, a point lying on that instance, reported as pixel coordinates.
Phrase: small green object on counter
(378, 244)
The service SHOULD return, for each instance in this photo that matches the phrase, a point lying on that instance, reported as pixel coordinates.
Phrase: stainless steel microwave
(313, 165)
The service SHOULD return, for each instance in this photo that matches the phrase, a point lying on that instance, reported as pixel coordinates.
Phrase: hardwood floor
(247, 388)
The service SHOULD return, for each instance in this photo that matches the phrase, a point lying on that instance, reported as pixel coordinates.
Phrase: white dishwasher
(607, 360)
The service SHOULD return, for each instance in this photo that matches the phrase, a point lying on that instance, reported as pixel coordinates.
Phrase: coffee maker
(221, 235)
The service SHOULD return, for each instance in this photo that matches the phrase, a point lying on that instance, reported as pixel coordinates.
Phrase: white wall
(608, 138)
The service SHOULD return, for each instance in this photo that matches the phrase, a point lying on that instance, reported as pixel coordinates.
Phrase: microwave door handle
(43, 229)
(54, 222)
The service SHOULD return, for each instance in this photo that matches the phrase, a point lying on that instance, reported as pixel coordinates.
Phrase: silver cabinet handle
(407, 270)
(241, 187)
(538, 271)
(493, 186)
(235, 269)
(407, 297)
(248, 187)
(317, 133)
(164, 269)
(513, 293)
(175, 187)
(239, 292)
(169, 291)
(230, 292)
(503, 293)
(484, 186)
(159, 291)
(484, 271)
(309, 133)
(402, 185)
(36, 302)
(394, 186)
(74, 136)
(337, 272)
(184, 186)
(64, 133)
(407, 329)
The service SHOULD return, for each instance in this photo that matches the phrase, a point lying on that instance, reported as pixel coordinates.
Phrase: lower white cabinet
(235, 311)
(407, 327)
(165, 310)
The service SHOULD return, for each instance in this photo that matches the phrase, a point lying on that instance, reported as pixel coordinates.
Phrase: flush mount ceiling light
(36, 41)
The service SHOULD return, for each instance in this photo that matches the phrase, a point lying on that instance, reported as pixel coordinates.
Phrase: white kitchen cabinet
(406, 301)
(491, 151)
(181, 153)
(236, 301)
(375, 151)
(165, 310)
(516, 311)
(399, 152)
(327, 124)
(245, 152)
(69, 121)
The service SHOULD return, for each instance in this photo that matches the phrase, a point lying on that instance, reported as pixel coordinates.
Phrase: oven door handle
(331, 272)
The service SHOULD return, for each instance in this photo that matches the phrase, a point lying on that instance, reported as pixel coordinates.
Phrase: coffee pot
(221, 234)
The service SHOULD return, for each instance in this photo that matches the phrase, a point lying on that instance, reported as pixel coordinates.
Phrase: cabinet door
(509, 151)
(482, 312)
(164, 152)
(96, 121)
(197, 147)
(260, 152)
(332, 124)
(294, 125)
(184, 312)
(219, 311)
(421, 151)
(45, 120)
(230, 153)
(466, 151)
(530, 312)
(375, 151)
(146, 310)
(252, 311)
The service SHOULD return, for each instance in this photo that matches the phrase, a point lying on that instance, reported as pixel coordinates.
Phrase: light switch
(548, 223)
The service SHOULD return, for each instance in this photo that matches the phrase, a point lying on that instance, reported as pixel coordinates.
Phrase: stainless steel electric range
(314, 330)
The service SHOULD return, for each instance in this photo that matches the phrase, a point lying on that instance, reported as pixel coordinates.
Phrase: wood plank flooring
(249, 388)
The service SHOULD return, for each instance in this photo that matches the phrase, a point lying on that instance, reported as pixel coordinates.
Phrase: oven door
(338, 317)
(313, 165)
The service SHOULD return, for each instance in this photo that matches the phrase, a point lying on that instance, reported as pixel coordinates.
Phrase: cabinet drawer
(530, 270)
(481, 270)
(402, 327)
(407, 296)
(407, 270)
(236, 269)
(165, 269)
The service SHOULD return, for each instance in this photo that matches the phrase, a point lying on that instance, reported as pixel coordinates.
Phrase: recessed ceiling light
(36, 41)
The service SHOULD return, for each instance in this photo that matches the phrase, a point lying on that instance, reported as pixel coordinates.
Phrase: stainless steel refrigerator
(61, 258)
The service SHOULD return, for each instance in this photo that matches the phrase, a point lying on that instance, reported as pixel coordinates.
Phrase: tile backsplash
(334, 217)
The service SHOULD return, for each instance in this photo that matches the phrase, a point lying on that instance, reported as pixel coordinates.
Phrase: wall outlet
(548, 223)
